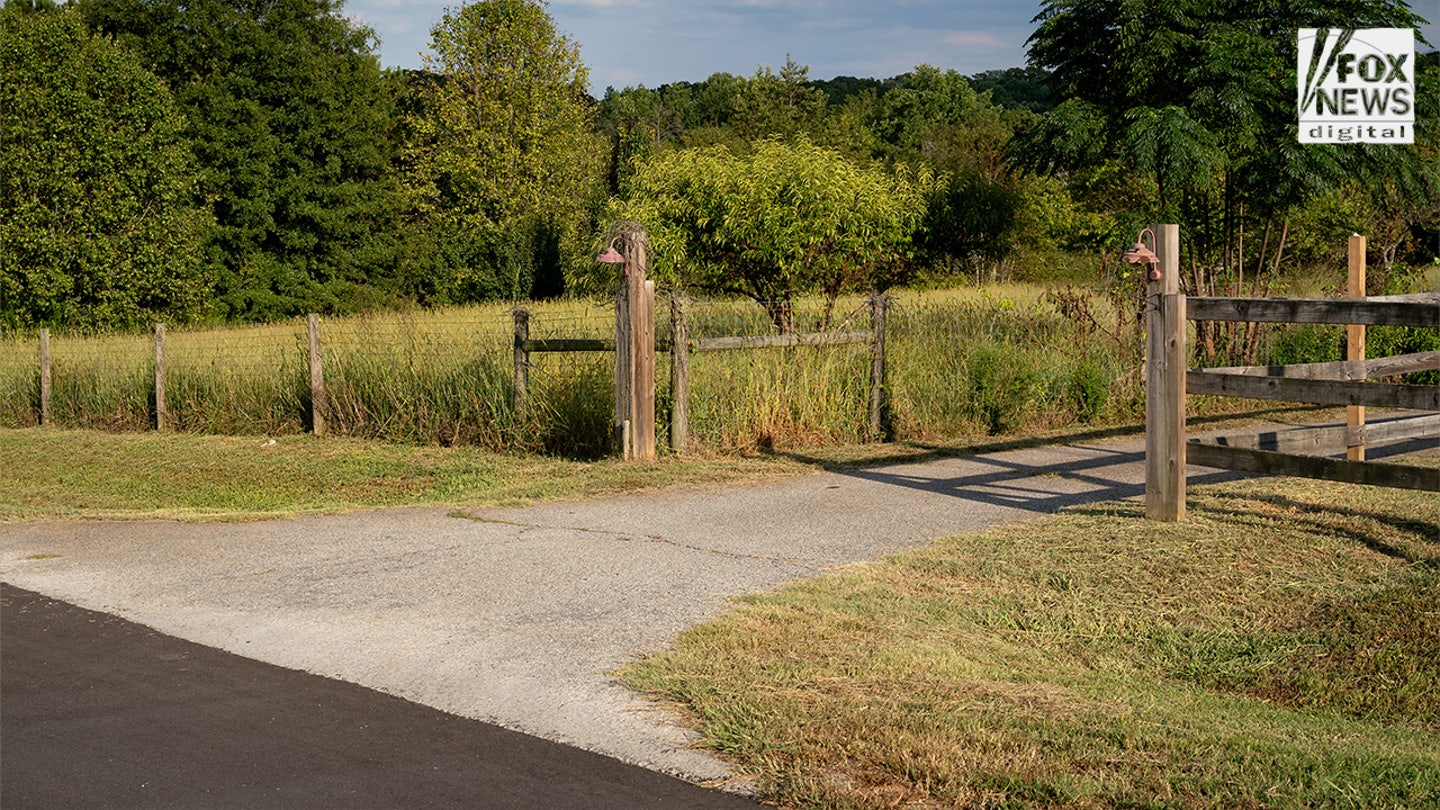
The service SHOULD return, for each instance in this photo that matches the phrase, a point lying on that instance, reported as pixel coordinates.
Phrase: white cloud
(598, 3)
(973, 39)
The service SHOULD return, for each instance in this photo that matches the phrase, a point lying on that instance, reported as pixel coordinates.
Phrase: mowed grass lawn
(91, 474)
(1280, 648)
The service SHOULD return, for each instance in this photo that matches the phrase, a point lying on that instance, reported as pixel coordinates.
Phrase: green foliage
(1311, 343)
(290, 116)
(502, 155)
(936, 116)
(783, 220)
(777, 105)
(1194, 102)
(970, 219)
(102, 221)
(1016, 88)
(1392, 341)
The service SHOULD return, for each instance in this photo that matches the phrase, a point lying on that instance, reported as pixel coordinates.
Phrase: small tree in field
(784, 220)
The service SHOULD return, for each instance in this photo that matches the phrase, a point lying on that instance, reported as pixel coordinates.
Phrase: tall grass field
(960, 364)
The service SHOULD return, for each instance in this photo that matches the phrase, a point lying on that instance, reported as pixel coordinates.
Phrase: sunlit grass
(1281, 648)
(48, 473)
(961, 364)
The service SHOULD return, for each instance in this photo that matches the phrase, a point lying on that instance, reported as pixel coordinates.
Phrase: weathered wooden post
(879, 304)
(644, 337)
(634, 347)
(1355, 342)
(317, 376)
(44, 376)
(522, 366)
(161, 411)
(679, 373)
(1165, 383)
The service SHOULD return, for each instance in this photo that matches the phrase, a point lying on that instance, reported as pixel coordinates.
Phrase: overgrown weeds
(961, 365)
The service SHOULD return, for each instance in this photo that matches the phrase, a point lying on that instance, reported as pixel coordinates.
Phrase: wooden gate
(1340, 383)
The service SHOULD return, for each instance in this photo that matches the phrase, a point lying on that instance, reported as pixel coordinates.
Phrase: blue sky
(651, 42)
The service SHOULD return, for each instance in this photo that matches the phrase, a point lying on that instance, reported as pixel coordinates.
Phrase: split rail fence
(633, 432)
(1299, 451)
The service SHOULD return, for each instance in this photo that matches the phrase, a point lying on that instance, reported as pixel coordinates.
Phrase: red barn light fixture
(611, 255)
(1140, 254)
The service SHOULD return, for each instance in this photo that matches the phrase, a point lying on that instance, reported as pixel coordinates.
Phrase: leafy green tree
(969, 221)
(504, 155)
(1196, 99)
(637, 121)
(935, 116)
(778, 105)
(780, 221)
(100, 220)
(1026, 88)
(291, 118)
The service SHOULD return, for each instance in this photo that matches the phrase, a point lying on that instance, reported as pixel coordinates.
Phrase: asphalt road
(99, 712)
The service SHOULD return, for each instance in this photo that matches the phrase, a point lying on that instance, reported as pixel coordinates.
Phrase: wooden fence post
(644, 332)
(1355, 337)
(318, 404)
(44, 376)
(1165, 383)
(521, 399)
(634, 349)
(161, 411)
(624, 365)
(879, 427)
(679, 373)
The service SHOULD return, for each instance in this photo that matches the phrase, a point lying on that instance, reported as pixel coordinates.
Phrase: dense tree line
(248, 160)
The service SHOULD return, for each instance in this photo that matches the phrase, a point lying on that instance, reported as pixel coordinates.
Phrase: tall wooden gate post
(1165, 383)
(634, 348)
(1355, 338)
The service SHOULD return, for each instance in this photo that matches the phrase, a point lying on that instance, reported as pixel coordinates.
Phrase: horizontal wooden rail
(1310, 310)
(720, 344)
(567, 345)
(715, 344)
(1396, 476)
(1431, 298)
(1315, 392)
(1323, 439)
(1342, 370)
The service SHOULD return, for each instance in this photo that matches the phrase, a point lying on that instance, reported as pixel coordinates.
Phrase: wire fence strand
(957, 366)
